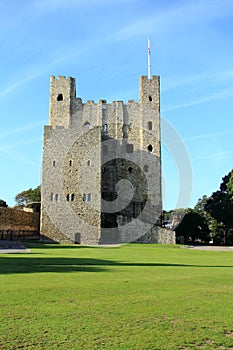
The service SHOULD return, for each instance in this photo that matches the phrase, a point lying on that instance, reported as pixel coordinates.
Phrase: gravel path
(212, 248)
(12, 247)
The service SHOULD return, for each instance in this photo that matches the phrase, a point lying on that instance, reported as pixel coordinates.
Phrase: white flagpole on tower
(148, 58)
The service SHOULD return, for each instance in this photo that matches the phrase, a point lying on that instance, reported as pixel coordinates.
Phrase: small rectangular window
(129, 148)
(84, 197)
(89, 197)
(149, 125)
(72, 197)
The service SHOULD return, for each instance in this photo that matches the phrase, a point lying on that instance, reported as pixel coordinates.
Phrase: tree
(220, 207)
(3, 204)
(193, 228)
(31, 195)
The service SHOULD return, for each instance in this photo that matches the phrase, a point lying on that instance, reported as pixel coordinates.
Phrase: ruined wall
(158, 235)
(18, 224)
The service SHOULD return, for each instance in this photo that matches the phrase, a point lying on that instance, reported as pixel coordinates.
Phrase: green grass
(136, 297)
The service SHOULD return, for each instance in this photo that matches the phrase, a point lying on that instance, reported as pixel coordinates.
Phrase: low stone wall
(18, 224)
(158, 235)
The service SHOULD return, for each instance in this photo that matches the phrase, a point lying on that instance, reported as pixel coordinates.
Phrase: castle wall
(79, 141)
(16, 223)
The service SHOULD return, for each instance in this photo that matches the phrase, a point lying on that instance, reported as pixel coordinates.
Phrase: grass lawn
(135, 297)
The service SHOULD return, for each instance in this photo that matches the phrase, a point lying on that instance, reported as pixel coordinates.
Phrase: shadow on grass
(14, 265)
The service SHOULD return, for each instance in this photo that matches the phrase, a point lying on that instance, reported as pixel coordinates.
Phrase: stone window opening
(72, 197)
(54, 163)
(150, 98)
(88, 162)
(149, 125)
(105, 127)
(84, 197)
(56, 197)
(87, 124)
(71, 162)
(89, 197)
(150, 148)
(60, 97)
(129, 148)
(68, 197)
(130, 169)
(130, 126)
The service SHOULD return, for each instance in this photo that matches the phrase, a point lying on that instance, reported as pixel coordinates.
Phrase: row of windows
(105, 126)
(60, 98)
(70, 197)
(129, 148)
(71, 162)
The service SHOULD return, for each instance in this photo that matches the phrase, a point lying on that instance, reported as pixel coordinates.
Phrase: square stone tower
(101, 170)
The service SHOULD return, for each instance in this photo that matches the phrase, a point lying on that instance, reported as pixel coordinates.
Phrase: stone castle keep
(101, 170)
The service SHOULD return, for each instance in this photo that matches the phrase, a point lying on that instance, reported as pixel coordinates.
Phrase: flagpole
(148, 58)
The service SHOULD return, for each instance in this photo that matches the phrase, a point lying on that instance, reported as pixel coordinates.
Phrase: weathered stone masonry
(88, 148)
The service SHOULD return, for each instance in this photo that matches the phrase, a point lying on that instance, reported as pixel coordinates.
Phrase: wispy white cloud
(176, 16)
(215, 155)
(206, 77)
(10, 88)
(6, 147)
(206, 136)
(44, 6)
(222, 94)
(19, 157)
(22, 129)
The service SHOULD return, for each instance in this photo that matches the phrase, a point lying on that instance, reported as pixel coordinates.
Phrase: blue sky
(103, 44)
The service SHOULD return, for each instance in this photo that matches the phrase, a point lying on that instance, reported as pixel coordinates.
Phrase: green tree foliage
(193, 228)
(220, 206)
(3, 203)
(31, 195)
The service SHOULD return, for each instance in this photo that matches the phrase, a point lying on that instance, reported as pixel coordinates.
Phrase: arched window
(150, 98)
(72, 197)
(68, 197)
(87, 125)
